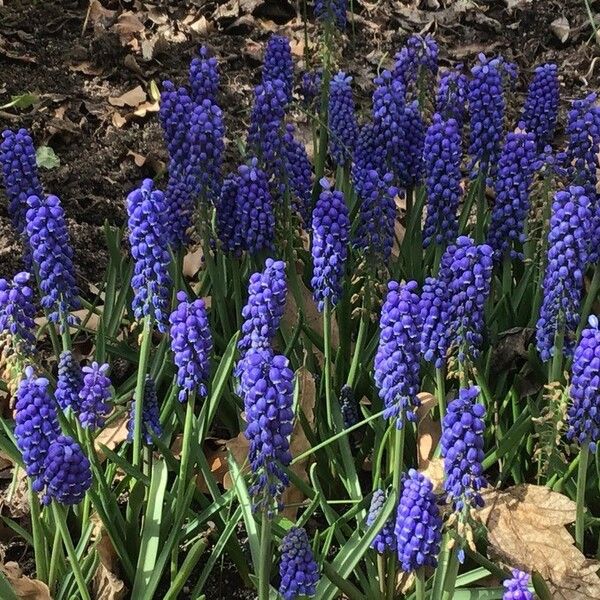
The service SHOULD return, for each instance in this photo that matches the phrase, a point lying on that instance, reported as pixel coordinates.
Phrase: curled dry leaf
(105, 584)
(526, 529)
(24, 587)
(114, 434)
(133, 98)
(561, 29)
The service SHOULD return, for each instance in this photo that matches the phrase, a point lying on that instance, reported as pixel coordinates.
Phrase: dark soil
(43, 51)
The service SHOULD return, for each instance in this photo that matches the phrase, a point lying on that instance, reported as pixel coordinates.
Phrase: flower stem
(265, 558)
(327, 362)
(39, 542)
(420, 585)
(61, 523)
(138, 396)
(584, 455)
(451, 575)
(440, 390)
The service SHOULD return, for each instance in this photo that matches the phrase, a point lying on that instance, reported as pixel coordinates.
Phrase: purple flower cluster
(36, 424)
(452, 305)
(419, 53)
(268, 388)
(442, 155)
(343, 129)
(93, 404)
(67, 472)
(409, 167)
(517, 587)
(451, 100)
(486, 105)
(462, 450)
(278, 63)
(310, 87)
(69, 382)
(565, 267)
(331, 229)
(149, 247)
(371, 152)
(584, 412)
(53, 257)
(176, 106)
(263, 311)
(266, 121)
(398, 354)
(377, 214)
(299, 173)
(150, 414)
(333, 11)
(418, 526)
(298, 570)
(17, 312)
(19, 170)
(541, 105)
(386, 537)
(227, 229)
(511, 207)
(191, 343)
(348, 406)
(204, 77)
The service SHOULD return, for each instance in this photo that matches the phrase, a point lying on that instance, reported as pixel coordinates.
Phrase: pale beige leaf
(105, 584)
(193, 262)
(429, 432)
(561, 29)
(133, 97)
(526, 529)
(24, 587)
(99, 16)
(128, 26)
(112, 435)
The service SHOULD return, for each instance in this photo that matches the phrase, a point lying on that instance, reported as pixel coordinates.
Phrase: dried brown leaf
(24, 587)
(428, 430)
(526, 529)
(193, 262)
(133, 98)
(561, 29)
(128, 26)
(98, 16)
(105, 584)
(111, 436)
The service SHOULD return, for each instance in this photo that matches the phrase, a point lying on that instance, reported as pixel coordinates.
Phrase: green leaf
(22, 101)
(151, 532)
(480, 594)
(46, 157)
(6, 590)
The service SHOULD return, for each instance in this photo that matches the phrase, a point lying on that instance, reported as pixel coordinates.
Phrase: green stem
(138, 396)
(362, 330)
(39, 542)
(420, 585)
(265, 558)
(54, 560)
(381, 570)
(481, 210)
(584, 455)
(557, 357)
(506, 276)
(323, 120)
(440, 390)
(590, 298)
(451, 575)
(59, 517)
(327, 362)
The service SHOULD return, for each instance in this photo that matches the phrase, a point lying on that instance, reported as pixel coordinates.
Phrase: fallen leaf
(105, 584)
(133, 98)
(201, 26)
(193, 262)
(518, 4)
(428, 430)
(146, 107)
(46, 158)
(128, 26)
(217, 461)
(22, 101)
(526, 529)
(99, 16)
(86, 67)
(15, 499)
(24, 587)
(561, 29)
(112, 435)
(118, 120)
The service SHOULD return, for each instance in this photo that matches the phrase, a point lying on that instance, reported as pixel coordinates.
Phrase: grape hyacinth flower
(517, 586)
(53, 257)
(331, 229)
(267, 291)
(418, 53)
(69, 382)
(204, 77)
(377, 215)
(256, 219)
(191, 343)
(36, 425)
(386, 537)
(511, 207)
(17, 313)
(310, 88)
(462, 450)
(486, 106)
(562, 287)
(410, 166)
(584, 412)
(371, 152)
(541, 105)
(93, 396)
(67, 472)
(227, 220)
(442, 155)
(434, 308)
(333, 11)
(397, 359)
(268, 385)
(278, 63)
(150, 414)
(175, 110)
(20, 174)
(418, 526)
(343, 129)
(149, 247)
(348, 406)
(451, 100)
(298, 570)
(299, 173)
